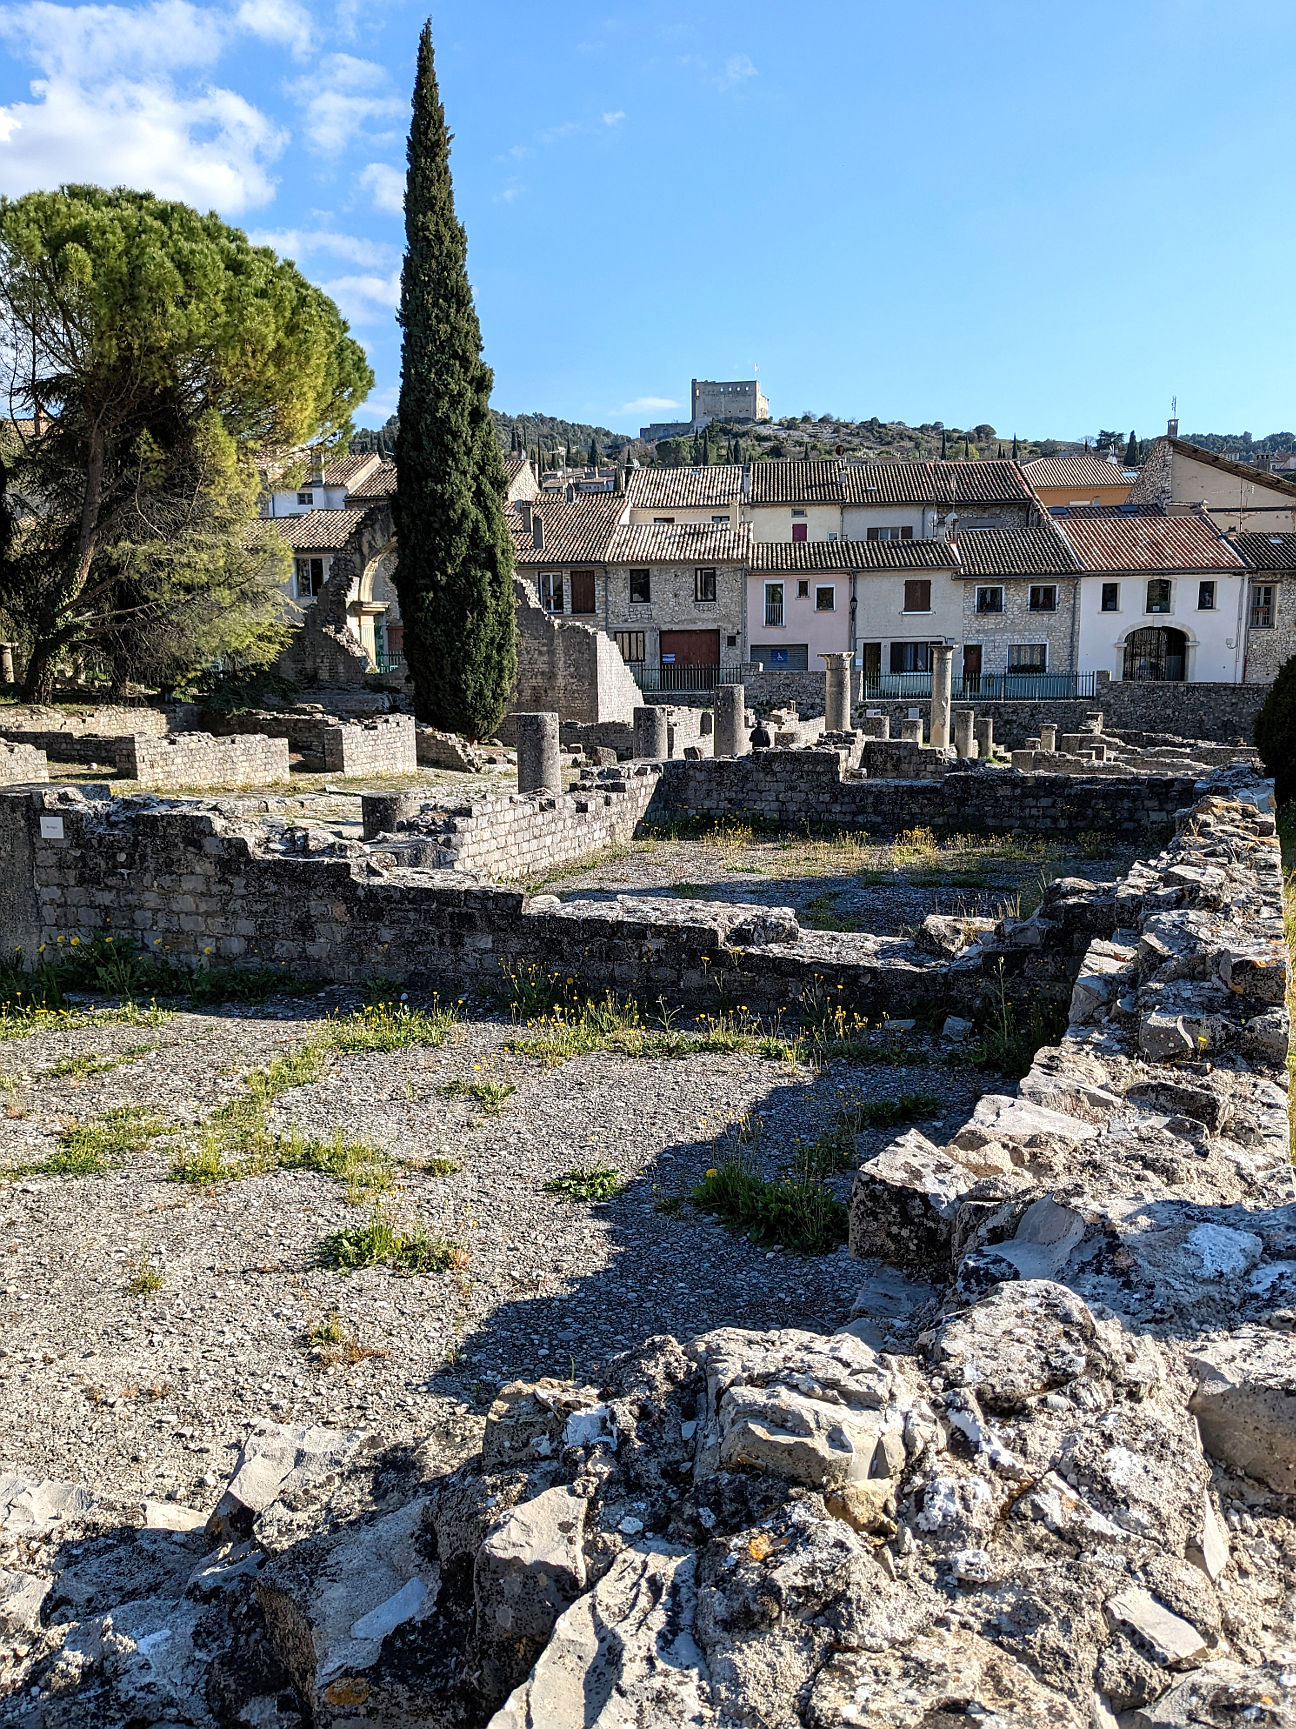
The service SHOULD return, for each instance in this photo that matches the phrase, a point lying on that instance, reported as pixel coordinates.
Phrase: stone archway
(1158, 653)
(325, 650)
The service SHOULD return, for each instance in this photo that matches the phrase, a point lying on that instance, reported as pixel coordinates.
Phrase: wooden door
(582, 591)
(971, 666)
(690, 647)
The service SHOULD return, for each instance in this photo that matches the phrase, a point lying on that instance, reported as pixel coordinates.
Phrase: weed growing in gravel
(790, 1211)
(146, 1278)
(587, 1183)
(384, 1243)
(115, 967)
(331, 1343)
(835, 1150)
(213, 1160)
(490, 1095)
(819, 914)
(1008, 1039)
(92, 1064)
(86, 1149)
(389, 1026)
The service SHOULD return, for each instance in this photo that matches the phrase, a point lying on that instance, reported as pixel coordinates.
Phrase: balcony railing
(982, 687)
(683, 678)
(389, 663)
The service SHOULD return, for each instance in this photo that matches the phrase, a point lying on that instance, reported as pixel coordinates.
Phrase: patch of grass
(489, 1095)
(433, 1167)
(820, 914)
(92, 1064)
(116, 967)
(389, 1026)
(1009, 1037)
(382, 1242)
(835, 1151)
(87, 1149)
(334, 1343)
(791, 1211)
(587, 1183)
(146, 1277)
(361, 1167)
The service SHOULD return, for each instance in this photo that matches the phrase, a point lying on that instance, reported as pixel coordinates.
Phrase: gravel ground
(834, 886)
(149, 1395)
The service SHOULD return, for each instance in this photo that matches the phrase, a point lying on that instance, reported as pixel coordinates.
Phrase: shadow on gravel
(674, 1269)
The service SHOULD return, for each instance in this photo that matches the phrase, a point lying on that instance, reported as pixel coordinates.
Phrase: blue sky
(1046, 218)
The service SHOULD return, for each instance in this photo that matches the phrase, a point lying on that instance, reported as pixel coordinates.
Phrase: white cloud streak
(365, 299)
(642, 404)
(339, 99)
(385, 186)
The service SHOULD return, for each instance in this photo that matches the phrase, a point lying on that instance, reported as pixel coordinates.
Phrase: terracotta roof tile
(350, 469)
(319, 530)
(380, 483)
(1081, 469)
(1119, 540)
(1014, 552)
(576, 530)
(811, 555)
(682, 488)
(789, 480)
(682, 543)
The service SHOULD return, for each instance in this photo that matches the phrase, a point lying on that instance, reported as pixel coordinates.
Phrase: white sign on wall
(51, 828)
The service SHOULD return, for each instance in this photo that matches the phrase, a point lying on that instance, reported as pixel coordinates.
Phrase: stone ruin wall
(196, 759)
(381, 746)
(20, 763)
(1062, 1497)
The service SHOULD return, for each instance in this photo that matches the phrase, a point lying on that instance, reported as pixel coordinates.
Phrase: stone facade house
(325, 488)
(675, 594)
(1271, 602)
(829, 499)
(1161, 596)
(661, 497)
(1234, 495)
(1020, 613)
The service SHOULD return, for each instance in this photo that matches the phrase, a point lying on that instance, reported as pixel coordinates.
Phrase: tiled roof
(787, 480)
(1134, 540)
(987, 481)
(1083, 469)
(1244, 471)
(319, 530)
(1266, 551)
(576, 530)
(1014, 552)
(514, 463)
(350, 470)
(682, 488)
(896, 483)
(810, 555)
(380, 483)
(683, 543)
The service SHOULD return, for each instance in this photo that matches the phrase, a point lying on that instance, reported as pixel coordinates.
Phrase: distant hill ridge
(808, 436)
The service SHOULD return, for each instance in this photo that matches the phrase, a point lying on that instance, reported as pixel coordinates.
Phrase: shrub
(587, 1183)
(1275, 732)
(791, 1211)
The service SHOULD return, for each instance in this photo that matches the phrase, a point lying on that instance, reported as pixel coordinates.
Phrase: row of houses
(1185, 571)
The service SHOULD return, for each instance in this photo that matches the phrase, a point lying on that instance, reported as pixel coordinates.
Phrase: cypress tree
(454, 572)
(594, 457)
(1131, 451)
(1275, 732)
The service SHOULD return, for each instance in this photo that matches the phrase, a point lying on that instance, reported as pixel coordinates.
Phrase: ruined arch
(325, 650)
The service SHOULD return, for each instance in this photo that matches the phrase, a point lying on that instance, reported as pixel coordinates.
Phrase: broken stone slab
(944, 936)
(945, 1676)
(37, 1503)
(1169, 1640)
(333, 1602)
(1245, 1405)
(1222, 1695)
(528, 1421)
(1023, 1129)
(903, 1204)
(625, 1655)
(171, 1516)
(21, 1596)
(531, 1566)
(1024, 1340)
(1165, 1038)
(283, 1463)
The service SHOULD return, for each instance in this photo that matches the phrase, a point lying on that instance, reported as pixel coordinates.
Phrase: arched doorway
(1156, 652)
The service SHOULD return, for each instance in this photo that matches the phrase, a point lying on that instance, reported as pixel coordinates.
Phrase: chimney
(537, 533)
(1172, 428)
(571, 492)
(524, 510)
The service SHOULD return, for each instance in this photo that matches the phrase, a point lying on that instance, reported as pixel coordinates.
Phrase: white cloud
(552, 134)
(509, 194)
(339, 97)
(302, 243)
(736, 68)
(106, 108)
(611, 119)
(277, 21)
(365, 299)
(642, 404)
(385, 185)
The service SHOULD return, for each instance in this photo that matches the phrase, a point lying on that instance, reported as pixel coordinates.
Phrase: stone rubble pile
(1055, 1491)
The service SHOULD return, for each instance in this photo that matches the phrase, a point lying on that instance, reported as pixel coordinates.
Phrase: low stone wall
(685, 727)
(519, 835)
(807, 789)
(384, 745)
(303, 728)
(1224, 713)
(90, 734)
(20, 763)
(208, 883)
(197, 759)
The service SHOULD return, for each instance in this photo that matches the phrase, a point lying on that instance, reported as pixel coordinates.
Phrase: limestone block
(1167, 1638)
(1023, 1340)
(1163, 1037)
(624, 1656)
(21, 1596)
(528, 1419)
(904, 1201)
(1245, 1405)
(280, 1461)
(531, 1566)
(37, 1503)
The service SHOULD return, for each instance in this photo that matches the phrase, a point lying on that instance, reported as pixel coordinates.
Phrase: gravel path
(141, 1395)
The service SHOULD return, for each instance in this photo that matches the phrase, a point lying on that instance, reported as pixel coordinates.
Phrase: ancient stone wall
(567, 668)
(197, 759)
(91, 733)
(21, 762)
(806, 789)
(384, 745)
